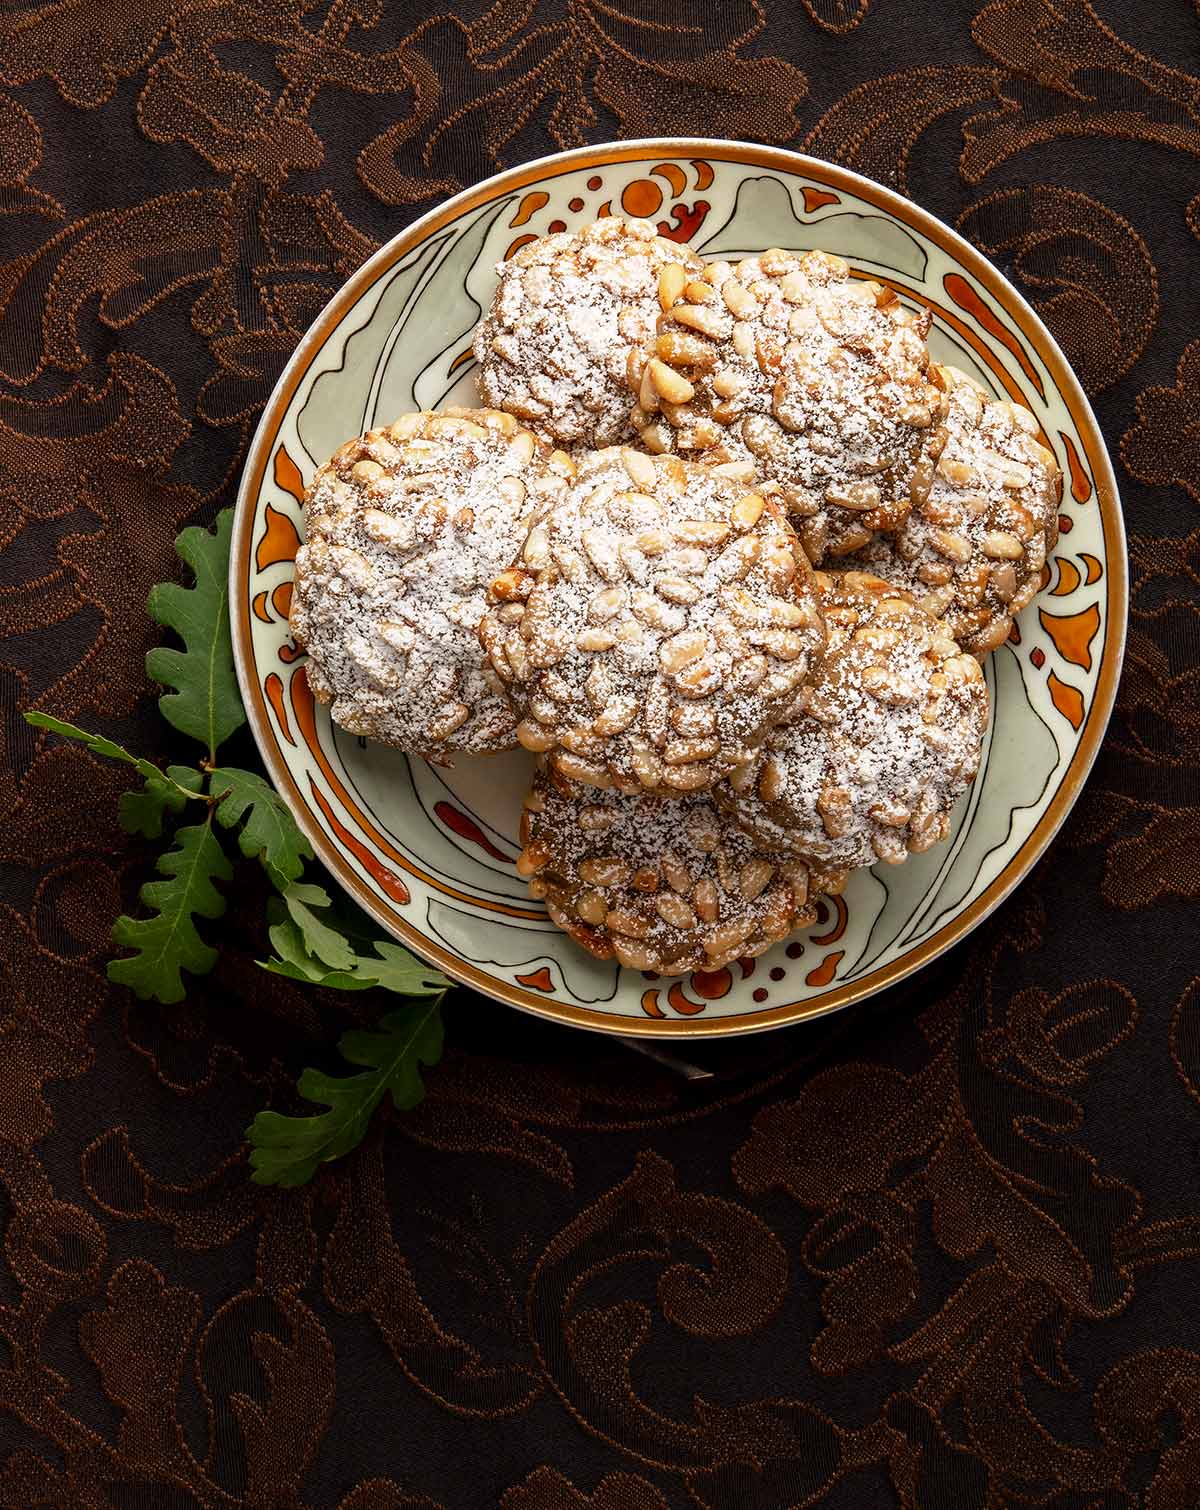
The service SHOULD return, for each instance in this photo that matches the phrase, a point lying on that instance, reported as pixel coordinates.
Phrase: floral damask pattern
(937, 1251)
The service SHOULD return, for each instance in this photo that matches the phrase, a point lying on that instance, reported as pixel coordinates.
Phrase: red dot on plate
(1038, 656)
(649, 975)
(594, 183)
(794, 951)
(1065, 524)
(575, 204)
(558, 225)
(778, 973)
(760, 994)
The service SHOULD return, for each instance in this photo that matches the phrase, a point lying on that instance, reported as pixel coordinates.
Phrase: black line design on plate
(405, 779)
(776, 206)
(447, 279)
(523, 935)
(419, 256)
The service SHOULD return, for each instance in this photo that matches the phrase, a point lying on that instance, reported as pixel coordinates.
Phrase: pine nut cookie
(823, 378)
(554, 347)
(405, 527)
(665, 886)
(658, 619)
(973, 549)
(886, 738)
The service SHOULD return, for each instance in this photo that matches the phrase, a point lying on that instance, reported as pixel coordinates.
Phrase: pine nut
(1001, 546)
(677, 589)
(771, 781)
(698, 680)
(700, 317)
(1003, 582)
(706, 532)
(674, 911)
(581, 770)
(728, 936)
(747, 511)
(628, 923)
(531, 859)
(919, 416)
(533, 736)
(682, 650)
(453, 717)
(596, 639)
(694, 720)
(591, 907)
(605, 870)
(756, 874)
(671, 282)
(729, 382)
(688, 778)
(957, 472)
(639, 466)
(668, 383)
(707, 900)
(656, 614)
(955, 547)
(647, 393)
(739, 301)
(615, 718)
(602, 553)
(608, 601)
(684, 751)
(633, 956)
(748, 675)
(513, 583)
(684, 350)
(646, 766)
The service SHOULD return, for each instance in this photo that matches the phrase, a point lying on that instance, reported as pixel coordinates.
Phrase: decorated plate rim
(1006, 296)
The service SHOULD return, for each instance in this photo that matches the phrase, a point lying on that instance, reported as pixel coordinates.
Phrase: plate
(429, 853)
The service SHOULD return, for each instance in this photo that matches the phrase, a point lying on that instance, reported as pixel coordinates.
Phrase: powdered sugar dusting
(665, 885)
(823, 378)
(886, 738)
(661, 616)
(973, 550)
(404, 531)
(569, 308)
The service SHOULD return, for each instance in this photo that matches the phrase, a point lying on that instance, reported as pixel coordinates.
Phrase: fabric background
(941, 1251)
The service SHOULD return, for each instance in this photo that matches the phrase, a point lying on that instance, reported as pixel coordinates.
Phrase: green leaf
(294, 961)
(322, 940)
(171, 790)
(316, 950)
(288, 1150)
(398, 970)
(142, 812)
(205, 703)
(138, 812)
(269, 831)
(168, 942)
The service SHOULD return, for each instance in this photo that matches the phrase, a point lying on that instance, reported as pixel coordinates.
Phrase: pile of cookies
(724, 552)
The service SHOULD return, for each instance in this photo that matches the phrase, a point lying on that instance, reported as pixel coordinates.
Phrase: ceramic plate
(429, 853)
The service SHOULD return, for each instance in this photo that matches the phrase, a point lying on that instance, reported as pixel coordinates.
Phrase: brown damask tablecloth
(941, 1251)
